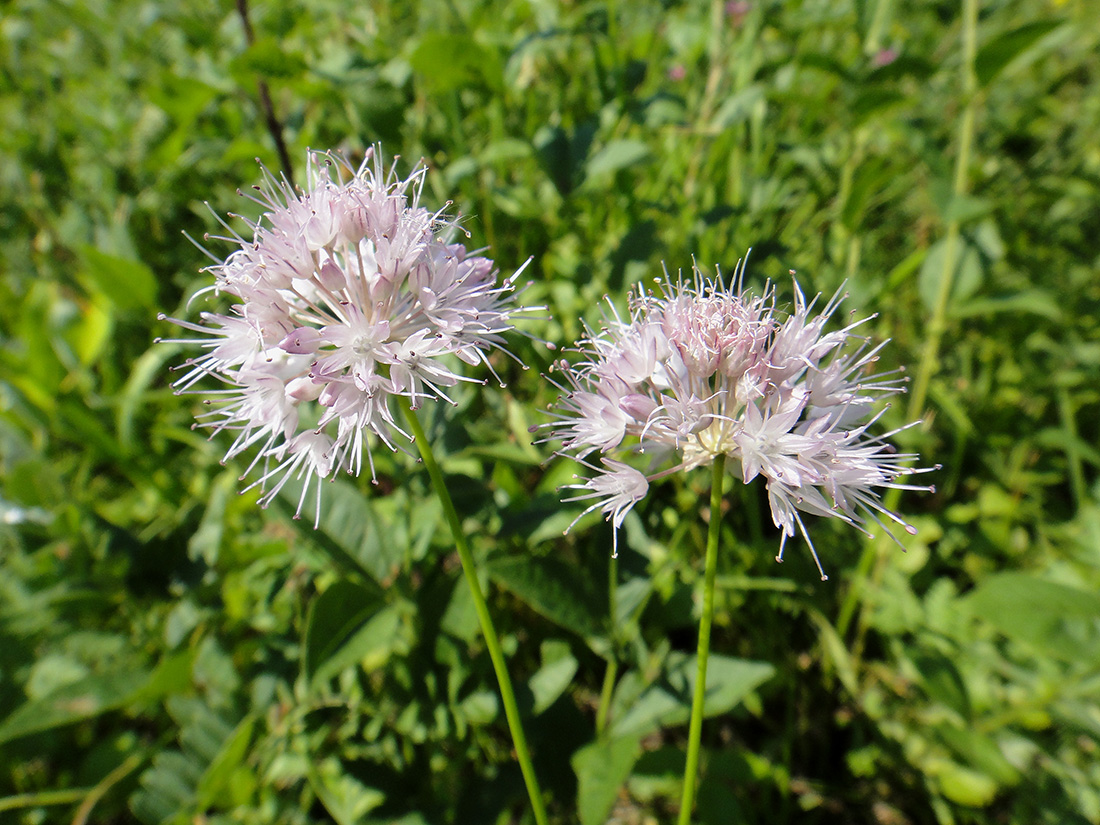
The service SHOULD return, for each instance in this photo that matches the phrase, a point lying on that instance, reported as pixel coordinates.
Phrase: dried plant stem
(691, 769)
(492, 641)
(274, 127)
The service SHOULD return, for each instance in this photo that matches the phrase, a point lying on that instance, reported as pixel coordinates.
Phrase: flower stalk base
(488, 631)
(691, 769)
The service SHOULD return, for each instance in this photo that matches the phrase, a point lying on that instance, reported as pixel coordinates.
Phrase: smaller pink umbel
(349, 295)
(702, 369)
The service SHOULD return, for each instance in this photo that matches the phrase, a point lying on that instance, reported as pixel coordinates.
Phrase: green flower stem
(612, 661)
(492, 641)
(691, 770)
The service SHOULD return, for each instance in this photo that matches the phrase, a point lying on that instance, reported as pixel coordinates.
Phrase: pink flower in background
(884, 57)
(737, 10)
(677, 73)
(702, 369)
(348, 297)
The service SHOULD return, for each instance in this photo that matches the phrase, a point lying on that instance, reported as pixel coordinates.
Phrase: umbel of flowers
(700, 370)
(348, 295)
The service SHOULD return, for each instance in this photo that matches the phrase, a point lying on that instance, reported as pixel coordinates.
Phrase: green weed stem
(492, 641)
(937, 325)
(691, 769)
(64, 796)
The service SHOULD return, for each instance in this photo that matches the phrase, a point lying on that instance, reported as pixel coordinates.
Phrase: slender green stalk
(612, 662)
(492, 641)
(64, 796)
(131, 763)
(691, 770)
(937, 324)
(1073, 450)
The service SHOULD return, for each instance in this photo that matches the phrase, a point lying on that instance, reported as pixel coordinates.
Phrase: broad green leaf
(966, 277)
(558, 591)
(942, 682)
(350, 528)
(995, 56)
(205, 543)
(980, 751)
(836, 652)
(89, 336)
(268, 58)
(616, 155)
(966, 786)
(1031, 301)
(171, 672)
(966, 208)
(737, 107)
(601, 768)
(480, 707)
(1056, 618)
(551, 681)
(445, 62)
(144, 371)
(874, 101)
(667, 700)
(223, 777)
(335, 621)
(76, 702)
(869, 180)
(126, 283)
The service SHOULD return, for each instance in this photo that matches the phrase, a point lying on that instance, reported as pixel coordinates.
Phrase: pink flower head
(349, 296)
(702, 369)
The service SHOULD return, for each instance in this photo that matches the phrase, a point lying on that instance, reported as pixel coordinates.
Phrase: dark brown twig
(274, 127)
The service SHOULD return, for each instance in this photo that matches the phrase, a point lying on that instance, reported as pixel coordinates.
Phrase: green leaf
(445, 62)
(942, 682)
(89, 336)
(738, 107)
(836, 652)
(980, 751)
(551, 681)
(334, 636)
(874, 101)
(601, 768)
(223, 775)
(965, 786)
(1031, 301)
(995, 56)
(869, 180)
(963, 208)
(1054, 617)
(269, 59)
(206, 541)
(126, 283)
(76, 702)
(480, 707)
(667, 701)
(345, 798)
(351, 529)
(966, 279)
(616, 155)
(558, 591)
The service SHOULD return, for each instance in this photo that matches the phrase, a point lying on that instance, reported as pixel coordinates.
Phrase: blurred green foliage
(171, 654)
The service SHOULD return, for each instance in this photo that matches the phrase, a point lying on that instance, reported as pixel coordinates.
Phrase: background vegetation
(170, 653)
